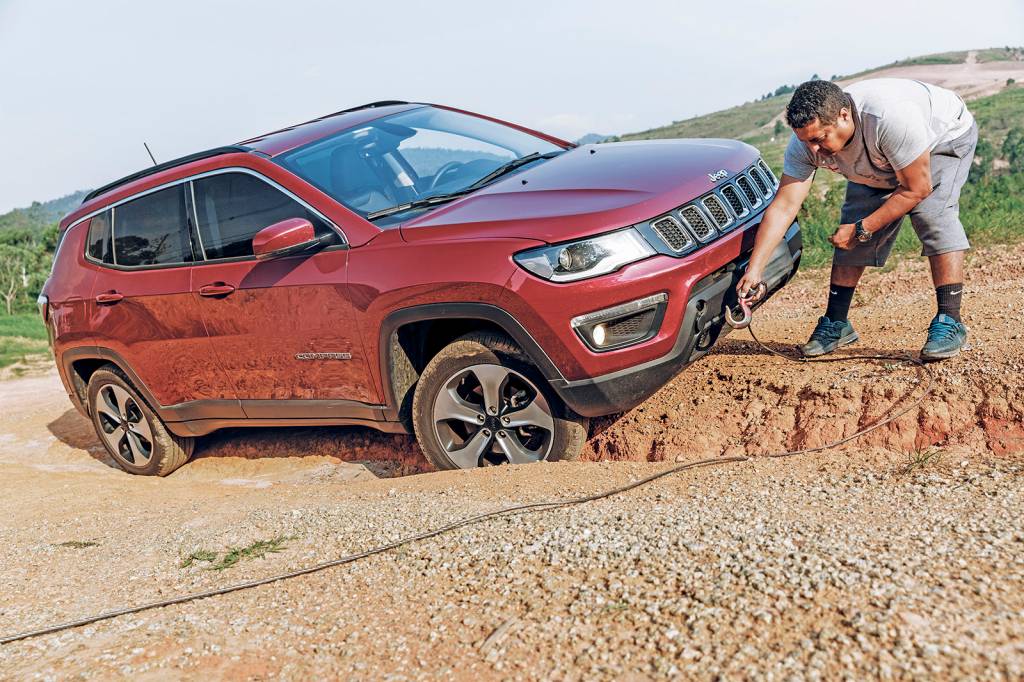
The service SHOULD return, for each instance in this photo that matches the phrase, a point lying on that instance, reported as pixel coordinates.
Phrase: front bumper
(703, 324)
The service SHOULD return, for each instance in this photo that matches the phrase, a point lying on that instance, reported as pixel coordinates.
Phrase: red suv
(409, 267)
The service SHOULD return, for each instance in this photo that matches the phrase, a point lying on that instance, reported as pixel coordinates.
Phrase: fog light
(622, 325)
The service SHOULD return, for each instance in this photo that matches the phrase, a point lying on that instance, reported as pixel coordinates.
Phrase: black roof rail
(230, 149)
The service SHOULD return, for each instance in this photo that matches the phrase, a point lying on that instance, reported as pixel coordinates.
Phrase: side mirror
(285, 238)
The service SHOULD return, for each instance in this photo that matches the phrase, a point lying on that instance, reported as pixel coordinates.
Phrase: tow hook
(746, 299)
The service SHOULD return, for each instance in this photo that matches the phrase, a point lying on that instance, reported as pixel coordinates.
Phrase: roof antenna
(150, 153)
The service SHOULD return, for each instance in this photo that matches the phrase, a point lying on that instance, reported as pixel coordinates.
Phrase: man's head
(821, 116)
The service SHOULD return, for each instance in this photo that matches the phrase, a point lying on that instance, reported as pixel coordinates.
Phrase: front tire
(131, 432)
(480, 401)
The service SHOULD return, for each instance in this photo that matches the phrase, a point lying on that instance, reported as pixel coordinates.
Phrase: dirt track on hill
(898, 555)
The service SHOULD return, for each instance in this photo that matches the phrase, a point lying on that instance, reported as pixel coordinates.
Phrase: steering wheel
(444, 170)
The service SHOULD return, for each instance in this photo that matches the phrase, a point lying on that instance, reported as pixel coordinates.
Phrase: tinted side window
(98, 245)
(233, 207)
(152, 230)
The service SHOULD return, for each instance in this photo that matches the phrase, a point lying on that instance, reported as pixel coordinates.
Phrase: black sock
(839, 302)
(948, 297)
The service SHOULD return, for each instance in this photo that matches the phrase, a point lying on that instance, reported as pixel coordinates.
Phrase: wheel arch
(410, 337)
(81, 363)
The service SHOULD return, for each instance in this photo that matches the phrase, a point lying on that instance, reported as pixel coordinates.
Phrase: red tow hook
(746, 299)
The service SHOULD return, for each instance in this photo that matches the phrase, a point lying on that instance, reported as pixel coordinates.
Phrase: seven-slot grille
(703, 219)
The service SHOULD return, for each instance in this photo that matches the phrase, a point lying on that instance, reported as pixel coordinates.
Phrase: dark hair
(816, 99)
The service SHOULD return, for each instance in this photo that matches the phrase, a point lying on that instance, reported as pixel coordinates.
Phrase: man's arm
(776, 220)
(915, 184)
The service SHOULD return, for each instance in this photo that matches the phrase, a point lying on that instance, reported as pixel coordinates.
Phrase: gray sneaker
(828, 336)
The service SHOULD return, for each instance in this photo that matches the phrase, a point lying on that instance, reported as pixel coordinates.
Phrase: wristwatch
(861, 234)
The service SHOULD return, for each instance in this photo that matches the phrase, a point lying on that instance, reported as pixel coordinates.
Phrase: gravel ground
(773, 569)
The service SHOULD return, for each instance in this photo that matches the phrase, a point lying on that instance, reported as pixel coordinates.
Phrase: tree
(984, 154)
(1013, 149)
(17, 274)
(779, 128)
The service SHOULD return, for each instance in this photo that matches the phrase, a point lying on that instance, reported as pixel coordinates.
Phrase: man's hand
(751, 278)
(845, 237)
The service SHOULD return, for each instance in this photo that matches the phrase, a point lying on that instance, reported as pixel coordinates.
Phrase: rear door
(142, 308)
(283, 329)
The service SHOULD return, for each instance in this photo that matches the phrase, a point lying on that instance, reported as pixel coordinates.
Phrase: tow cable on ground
(745, 304)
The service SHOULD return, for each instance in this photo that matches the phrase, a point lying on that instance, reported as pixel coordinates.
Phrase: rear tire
(481, 401)
(131, 432)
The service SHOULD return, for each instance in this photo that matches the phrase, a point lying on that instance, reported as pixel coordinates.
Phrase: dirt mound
(742, 400)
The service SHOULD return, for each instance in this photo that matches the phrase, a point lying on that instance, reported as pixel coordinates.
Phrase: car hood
(586, 190)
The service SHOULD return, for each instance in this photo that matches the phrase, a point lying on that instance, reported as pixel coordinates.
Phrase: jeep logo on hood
(718, 175)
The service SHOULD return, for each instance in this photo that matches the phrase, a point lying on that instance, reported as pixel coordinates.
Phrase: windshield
(408, 157)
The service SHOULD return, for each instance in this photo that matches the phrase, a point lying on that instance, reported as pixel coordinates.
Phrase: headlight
(586, 258)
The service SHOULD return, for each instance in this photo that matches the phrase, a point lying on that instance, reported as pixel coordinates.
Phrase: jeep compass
(408, 267)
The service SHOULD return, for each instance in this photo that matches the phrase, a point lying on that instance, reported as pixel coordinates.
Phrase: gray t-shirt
(897, 120)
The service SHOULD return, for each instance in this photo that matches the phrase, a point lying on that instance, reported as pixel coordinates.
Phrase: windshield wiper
(507, 168)
(426, 202)
(418, 203)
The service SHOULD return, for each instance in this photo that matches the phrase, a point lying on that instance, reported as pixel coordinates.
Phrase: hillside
(973, 74)
(40, 214)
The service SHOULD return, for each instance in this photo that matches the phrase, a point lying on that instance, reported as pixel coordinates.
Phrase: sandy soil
(438, 609)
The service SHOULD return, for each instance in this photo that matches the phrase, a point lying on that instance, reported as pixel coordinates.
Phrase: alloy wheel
(123, 425)
(489, 414)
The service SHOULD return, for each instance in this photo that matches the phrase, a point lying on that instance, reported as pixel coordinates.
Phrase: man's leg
(948, 278)
(947, 268)
(847, 275)
(834, 329)
(840, 292)
(944, 240)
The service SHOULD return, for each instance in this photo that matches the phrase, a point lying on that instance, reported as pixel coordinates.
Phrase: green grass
(997, 113)
(233, 555)
(26, 325)
(1001, 54)
(21, 335)
(729, 123)
(920, 458)
(18, 349)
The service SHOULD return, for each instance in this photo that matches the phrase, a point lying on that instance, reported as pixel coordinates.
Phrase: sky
(84, 84)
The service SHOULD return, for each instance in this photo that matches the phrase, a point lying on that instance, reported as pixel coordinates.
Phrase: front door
(283, 329)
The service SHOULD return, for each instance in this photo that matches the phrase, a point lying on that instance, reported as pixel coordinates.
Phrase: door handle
(109, 298)
(216, 289)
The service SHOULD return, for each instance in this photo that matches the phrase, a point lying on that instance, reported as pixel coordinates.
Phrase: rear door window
(232, 207)
(99, 245)
(152, 230)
